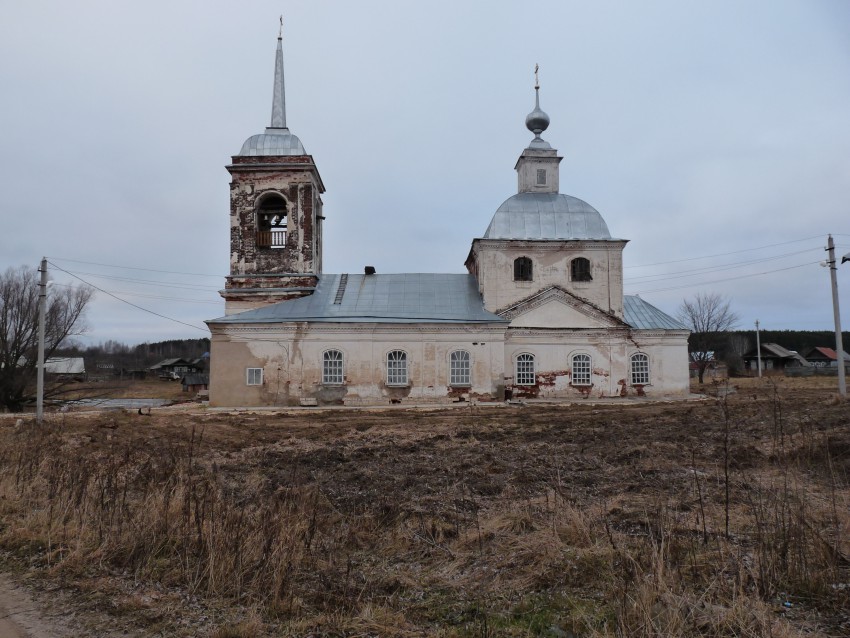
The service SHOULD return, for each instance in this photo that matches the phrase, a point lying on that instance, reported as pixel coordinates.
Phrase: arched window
(522, 269)
(580, 269)
(639, 369)
(397, 367)
(525, 369)
(459, 369)
(581, 369)
(271, 221)
(332, 368)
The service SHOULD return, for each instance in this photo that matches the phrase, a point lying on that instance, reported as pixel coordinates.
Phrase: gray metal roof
(644, 316)
(392, 298)
(546, 216)
(273, 142)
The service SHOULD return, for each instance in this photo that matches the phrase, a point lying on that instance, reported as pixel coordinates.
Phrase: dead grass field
(152, 388)
(542, 520)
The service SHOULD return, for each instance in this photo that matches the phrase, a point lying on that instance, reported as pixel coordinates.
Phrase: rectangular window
(541, 177)
(255, 376)
(459, 369)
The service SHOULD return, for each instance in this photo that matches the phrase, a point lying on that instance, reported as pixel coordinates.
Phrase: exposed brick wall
(297, 180)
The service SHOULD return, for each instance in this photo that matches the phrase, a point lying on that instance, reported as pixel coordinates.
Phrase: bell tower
(275, 213)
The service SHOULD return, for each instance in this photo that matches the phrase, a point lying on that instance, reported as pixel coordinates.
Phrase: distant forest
(120, 356)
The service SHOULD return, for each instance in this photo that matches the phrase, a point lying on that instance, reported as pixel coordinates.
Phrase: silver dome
(275, 141)
(546, 216)
(537, 121)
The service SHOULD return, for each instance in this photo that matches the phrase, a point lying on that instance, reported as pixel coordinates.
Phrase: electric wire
(734, 252)
(129, 303)
(717, 281)
(710, 269)
(148, 296)
(168, 272)
(149, 282)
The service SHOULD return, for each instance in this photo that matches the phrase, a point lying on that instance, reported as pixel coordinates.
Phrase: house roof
(644, 316)
(775, 351)
(391, 298)
(828, 353)
(169, 362)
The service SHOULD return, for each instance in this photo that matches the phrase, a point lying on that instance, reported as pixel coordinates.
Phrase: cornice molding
(548, 244)
(358, 328)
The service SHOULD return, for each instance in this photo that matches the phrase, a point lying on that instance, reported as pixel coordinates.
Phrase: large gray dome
(275, 141)
(546, 216)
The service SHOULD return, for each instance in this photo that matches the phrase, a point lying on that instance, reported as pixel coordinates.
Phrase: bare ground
(541, 520)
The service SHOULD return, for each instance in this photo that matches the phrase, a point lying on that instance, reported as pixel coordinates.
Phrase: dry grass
(541, 521)
(151, 388)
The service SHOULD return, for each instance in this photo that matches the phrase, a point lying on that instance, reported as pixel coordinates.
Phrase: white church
(539, 314)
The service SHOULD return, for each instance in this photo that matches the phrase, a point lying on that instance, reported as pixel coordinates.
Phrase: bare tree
(738, 346)
(19, 330)
(707, 314)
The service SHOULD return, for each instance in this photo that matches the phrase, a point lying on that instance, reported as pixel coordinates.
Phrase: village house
(774, 358)
(173, 368)
(539, 313)
(822, 357)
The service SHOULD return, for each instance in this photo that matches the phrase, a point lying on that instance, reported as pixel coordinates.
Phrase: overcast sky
(715, 136)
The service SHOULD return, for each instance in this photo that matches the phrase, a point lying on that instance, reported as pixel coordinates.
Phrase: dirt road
(20, 615)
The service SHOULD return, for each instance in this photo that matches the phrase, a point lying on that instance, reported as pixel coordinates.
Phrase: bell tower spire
(275, 213)
(279, 93)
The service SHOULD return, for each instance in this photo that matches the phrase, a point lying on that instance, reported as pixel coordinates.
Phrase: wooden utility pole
(758, 346)
(839, 346)
(42, 305)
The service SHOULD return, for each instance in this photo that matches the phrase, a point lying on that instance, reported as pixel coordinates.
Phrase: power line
(734, 252)
(125, 301)
(147, 296)
(168, 272)
(709, 269)
(149, 282)
(717, 281)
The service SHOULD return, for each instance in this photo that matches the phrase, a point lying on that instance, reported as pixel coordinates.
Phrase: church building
(539, 314)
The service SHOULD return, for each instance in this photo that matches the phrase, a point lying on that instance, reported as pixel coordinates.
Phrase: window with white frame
(525, 369)
(332, 370)
(254, 376)
(581, 369)
(640, 369)
(459, 368)
(397, 367)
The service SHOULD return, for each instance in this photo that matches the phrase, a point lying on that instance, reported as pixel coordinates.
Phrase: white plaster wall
(494, 264)
(291, 357)
(610, 352)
